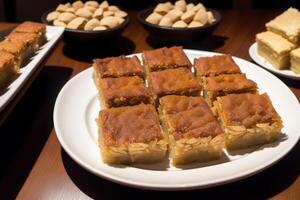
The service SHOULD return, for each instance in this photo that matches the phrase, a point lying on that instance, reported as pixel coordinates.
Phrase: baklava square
(33, 27)
(287, 25)
(165, 58)
(17, 48)
(123, 91)
(193, 131)
(117, 67)
(222, 85)
(248, 120)
(30, 40)
(131, 134)
(7, 68)
(295, 60)
(179, 81)
(215, 65)
(274, 48)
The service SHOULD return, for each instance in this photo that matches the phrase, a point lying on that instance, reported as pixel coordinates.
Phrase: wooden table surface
(35, 165)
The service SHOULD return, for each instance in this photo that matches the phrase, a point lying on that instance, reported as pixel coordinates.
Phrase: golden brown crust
(188, 117)
(31, 27)
(26, 38)
(13, 47)
(124, 91)
(247, 110)
(178, 81)
(165, 58)
(131, 124)
(118, 66)
(216, 65)
(5, 58)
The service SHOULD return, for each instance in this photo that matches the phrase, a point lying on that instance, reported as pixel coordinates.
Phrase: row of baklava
(18, 47)
(279, 45)
(132, 133)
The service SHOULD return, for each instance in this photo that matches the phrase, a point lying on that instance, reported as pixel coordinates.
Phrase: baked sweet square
(123, 91)
(274, 48)
(117, 67)
(8, 68)
(178, 81)
(222, 85)
(215, 65)
(193, 131)
(295, 60)
(248, 120)
(165, 58)
(131, 134)
(30, 40)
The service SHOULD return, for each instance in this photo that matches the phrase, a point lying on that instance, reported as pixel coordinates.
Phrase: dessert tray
(6, 94)
(77, 107)
(262, 62)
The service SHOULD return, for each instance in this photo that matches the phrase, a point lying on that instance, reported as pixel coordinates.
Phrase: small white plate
(77, 107)
(265, 64)
(53, 34)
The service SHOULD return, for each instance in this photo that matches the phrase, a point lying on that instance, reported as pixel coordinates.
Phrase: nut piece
(83, 12)
(180, 5)
(108, 13)
(201, 16)
(198, 7)
(71, 10)
(113, 8)
(98, 13)
(92, 4)
(52, 16)
(120, 13)
(179, 24)
(165, 21)
(63, 7)
(90, 8)
(59, 23)
(190, 6)
(154, 18)
(163, 8)
(174, 14)
(210, 17)
(77, 23)
(195, 24)
(77, 4)
(120, 19)
(188, 16)
(99, 28)
(66, 17)
(104, 5)
(91, 24)
(109, 21)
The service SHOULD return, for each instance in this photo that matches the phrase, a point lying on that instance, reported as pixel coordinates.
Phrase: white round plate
(265, 64)
(77, 107)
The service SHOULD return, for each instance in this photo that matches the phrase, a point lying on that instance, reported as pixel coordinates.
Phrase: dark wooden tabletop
(36, 167)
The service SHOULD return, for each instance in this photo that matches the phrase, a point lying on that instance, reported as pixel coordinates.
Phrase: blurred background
(20, 10)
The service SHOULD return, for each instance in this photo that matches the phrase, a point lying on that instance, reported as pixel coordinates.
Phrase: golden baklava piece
(33, 27)
(165, 58)
(178, 81)
(7, 68)
(193, 131)
(275, 49)
(18, 49)
(287, 25)
(222, 85)
(123, 91)
(248, 120)
(131, 134)
(215, 65)
(29, 40)
(117, 67)
(295, 60)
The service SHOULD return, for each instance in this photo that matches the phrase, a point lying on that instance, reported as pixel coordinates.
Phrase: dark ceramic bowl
(176, 34)
(88, 37)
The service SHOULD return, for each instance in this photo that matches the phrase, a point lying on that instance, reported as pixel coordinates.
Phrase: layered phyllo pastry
(295, 60)
(18, 49)
(193, 131)
(123, 91)
(7, 68)
(248, 120)
(131, 134)
(178, 81)
(117, 67)
(165, 58)
(30, 41)
(274, 48)
(222, 85)
(287, 25)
